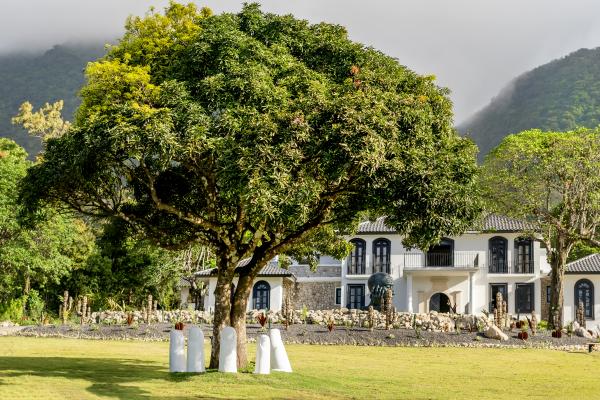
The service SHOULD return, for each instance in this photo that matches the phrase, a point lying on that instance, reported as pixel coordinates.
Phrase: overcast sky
(474, 47)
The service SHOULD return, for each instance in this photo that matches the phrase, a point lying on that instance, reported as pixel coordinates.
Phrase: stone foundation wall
(314, 295)
(545, 311)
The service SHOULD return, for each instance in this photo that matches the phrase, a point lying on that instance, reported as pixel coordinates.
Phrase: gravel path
(311, 334)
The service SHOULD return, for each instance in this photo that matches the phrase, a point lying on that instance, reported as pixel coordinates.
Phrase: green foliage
(581, 250)
(549, 178)
(255, 131)
(559, 96)
(55, 74)
(13, 309)
(35, 305)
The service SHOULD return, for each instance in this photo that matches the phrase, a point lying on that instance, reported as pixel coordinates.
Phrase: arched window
(498, 255)
(523, 256)
(356, 260)
(584, 292)
(381, 255)
(261, 296)
(441, 254)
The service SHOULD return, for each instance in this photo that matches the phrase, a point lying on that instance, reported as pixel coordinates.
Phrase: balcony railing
(455, 259)
(516, 266)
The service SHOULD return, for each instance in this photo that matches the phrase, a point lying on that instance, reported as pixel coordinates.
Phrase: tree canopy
(257, 133)
(551, 179)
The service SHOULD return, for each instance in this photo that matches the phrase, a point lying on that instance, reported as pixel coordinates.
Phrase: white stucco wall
(570, 307)
(276, 297)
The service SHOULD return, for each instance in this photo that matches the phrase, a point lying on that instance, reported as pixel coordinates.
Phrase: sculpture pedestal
(279, 358)
(263, 355)
(228, 351)
(195, 353)
(176, 351)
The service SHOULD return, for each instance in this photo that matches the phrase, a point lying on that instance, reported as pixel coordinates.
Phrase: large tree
(257, 135)
(552, 180)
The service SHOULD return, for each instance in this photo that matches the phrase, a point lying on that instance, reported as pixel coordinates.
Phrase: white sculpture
(279, 358)
(195, 354)
(176, 351)
(227, 352)
(263, 355)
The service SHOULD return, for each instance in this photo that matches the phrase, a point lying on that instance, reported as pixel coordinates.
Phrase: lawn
(86, 369)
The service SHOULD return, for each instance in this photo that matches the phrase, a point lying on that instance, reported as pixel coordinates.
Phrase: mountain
(558, 96)
(54, 75)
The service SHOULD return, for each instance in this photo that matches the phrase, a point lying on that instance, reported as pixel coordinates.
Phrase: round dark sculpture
(378, 284)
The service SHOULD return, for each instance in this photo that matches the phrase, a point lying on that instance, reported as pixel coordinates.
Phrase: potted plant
(179, 325)
(557, 333)
(262, 319)
(330, 324)
(523, 335)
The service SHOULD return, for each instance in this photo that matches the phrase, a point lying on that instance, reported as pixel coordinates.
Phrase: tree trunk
(222, 312)
(238, 317)
(27, 287)
(558, 263)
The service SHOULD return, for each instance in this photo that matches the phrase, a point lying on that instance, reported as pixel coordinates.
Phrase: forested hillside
(557, 96)
(56, 74)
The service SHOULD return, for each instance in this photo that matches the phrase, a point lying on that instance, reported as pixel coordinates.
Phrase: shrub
(13, 310)
(35, 305)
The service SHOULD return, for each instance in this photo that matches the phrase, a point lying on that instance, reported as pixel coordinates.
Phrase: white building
(463, 273)
(581, 278)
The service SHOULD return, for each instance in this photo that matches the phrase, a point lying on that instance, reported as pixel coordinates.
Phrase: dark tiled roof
(501, 223)
(271, 269)
(586, 265)
(325, 271)
(491, 222)
(377, 226)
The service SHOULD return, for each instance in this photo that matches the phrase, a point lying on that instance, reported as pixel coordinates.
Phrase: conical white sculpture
(263, 355)
(279, 358)
(228, 352)
(195, 353)
(176, 351)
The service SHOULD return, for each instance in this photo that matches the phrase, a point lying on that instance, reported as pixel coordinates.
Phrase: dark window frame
(381, 261)
(497, 266)
(256, 300)
(351, 303)
(492, 298)
(338, 296)
(439, 256)
(524, 262)
(521, 308)
(589, 313)
(358, 257)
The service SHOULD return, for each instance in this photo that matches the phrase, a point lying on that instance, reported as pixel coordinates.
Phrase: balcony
(515, 266)
(449, 260)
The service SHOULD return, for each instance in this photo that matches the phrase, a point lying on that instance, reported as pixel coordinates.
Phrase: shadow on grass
(109, 377)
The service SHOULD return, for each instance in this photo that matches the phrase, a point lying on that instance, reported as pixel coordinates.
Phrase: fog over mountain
(474, 47)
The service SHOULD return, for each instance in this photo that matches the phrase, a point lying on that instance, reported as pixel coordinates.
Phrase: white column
(409, 296)
(470, 310)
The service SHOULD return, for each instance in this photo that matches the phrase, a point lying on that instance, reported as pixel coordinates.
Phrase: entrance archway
(439, 302)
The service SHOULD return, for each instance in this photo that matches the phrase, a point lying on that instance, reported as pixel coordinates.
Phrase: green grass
(82, 369)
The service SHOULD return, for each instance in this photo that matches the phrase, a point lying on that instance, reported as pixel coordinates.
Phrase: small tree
(257, 135)
(551, 179)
